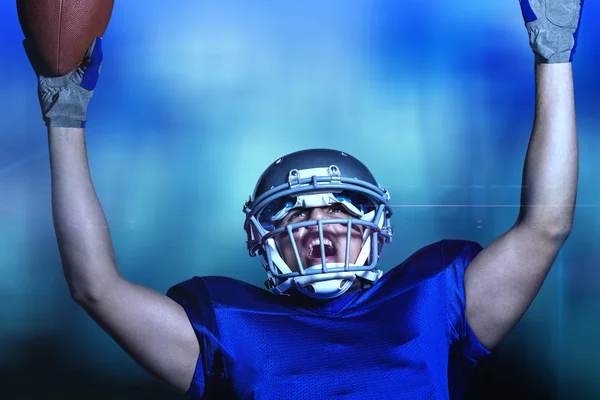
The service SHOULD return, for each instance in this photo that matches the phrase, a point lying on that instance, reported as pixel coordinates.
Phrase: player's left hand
(553, 26)
(64, 99)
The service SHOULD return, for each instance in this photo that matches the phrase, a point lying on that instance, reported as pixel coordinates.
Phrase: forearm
(81, 228)
(551, 165)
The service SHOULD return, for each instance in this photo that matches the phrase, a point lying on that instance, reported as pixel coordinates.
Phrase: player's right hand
(64, 99)
(553, 26)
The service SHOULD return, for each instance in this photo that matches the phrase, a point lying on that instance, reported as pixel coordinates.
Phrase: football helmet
(317, 178)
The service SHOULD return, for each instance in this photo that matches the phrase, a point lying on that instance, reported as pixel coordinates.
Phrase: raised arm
(153, 329)
(504, 278)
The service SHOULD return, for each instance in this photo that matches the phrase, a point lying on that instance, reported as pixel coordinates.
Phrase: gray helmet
(317, 178)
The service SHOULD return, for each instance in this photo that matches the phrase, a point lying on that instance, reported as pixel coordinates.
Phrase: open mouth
(313, 250)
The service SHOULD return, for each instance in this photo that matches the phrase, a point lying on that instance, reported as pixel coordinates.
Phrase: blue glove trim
(528, 14)
(576, 31)
(92, 71)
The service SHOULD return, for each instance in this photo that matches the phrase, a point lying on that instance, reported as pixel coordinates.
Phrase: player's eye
(337, 208)
(297, 214)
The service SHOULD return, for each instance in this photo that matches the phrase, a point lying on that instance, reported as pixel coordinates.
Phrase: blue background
(197, 98)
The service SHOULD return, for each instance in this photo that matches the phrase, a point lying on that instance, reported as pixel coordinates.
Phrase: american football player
(330, 325)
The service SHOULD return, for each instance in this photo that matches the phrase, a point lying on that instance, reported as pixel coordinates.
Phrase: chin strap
(327, 289)
(327, 285)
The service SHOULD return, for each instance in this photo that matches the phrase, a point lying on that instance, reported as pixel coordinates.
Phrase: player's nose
(317, 213)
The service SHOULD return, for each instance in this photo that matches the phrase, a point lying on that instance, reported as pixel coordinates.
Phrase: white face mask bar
(339, 275)
(372, 230)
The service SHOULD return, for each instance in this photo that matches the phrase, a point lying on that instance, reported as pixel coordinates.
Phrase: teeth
(317, 242)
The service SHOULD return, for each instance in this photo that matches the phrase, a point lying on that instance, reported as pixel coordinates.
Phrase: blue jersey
(404, 338)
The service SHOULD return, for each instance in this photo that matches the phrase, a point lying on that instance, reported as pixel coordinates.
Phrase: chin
(318, 261)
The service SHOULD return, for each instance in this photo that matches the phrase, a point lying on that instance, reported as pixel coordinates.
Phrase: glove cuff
(551, 47)
(65, 107)
(558, 58)
(63, 123)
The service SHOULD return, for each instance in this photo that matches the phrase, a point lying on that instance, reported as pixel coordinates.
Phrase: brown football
(60, 31)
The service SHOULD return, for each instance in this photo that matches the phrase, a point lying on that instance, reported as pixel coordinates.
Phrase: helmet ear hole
(310, 288)
(343, 282)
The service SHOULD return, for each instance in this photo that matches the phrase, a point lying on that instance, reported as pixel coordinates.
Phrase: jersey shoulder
(429, 261)
(227, 293)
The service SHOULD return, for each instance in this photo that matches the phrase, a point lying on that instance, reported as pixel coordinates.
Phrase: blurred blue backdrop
(197, 98)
